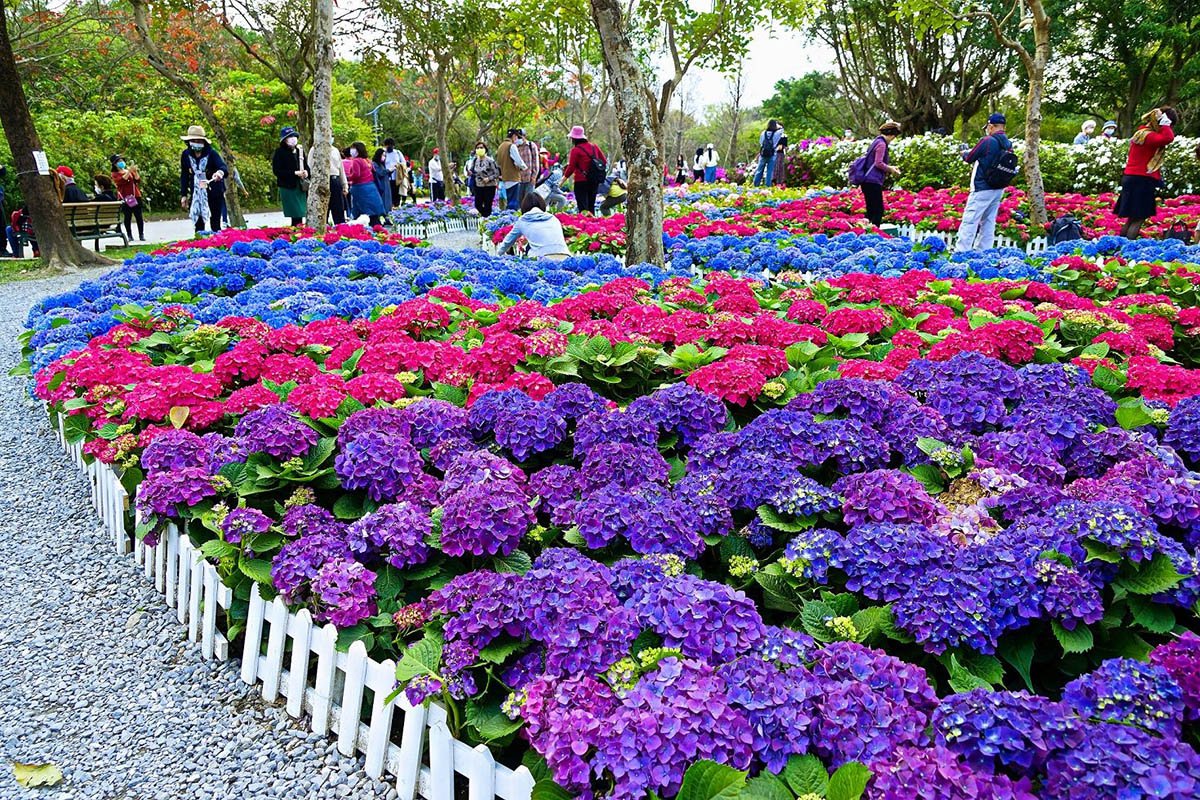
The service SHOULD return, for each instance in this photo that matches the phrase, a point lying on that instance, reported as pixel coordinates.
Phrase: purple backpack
(858, 172)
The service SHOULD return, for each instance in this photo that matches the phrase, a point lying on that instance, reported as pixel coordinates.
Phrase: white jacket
(435, 169)
(542, 230)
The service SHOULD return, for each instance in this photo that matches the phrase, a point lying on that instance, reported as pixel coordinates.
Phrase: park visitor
(681, 174)
(876, 169)
(201, 181)
(404, 181)
(780, 168)
(415, 179)
(1143, 169)
(698, 166)
(1109, 131)
(368, 183)
(531, 155)
(1085, 132)
(511, 162)
(381, 178)
(587, 165)
(541, 230)
(848, 135)
(551, 188)
(291, 175)
(21, 224)
(613, 191)
(437, 181)
(128, 182)
(392, 159)
(994, 167)
(768, 143)
(485, 177)
(711, 161)
(337, 185)
(103, 190)
(71, 192)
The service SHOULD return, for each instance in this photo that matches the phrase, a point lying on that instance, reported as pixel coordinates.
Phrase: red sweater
(579, 159)
(1143, 156)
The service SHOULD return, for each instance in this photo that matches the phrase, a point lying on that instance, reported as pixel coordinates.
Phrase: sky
(786, 54)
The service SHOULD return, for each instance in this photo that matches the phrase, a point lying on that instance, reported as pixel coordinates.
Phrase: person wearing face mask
(201, 180)
(532, 156)
(1143, 169)
(365, 197)
(392, 159)
(128, 182)
(485, 177)
(1109, 131)
(512, 166)
(383, 178)
(291, 175)
(1085, 132)
(437, 178)
(102, 187)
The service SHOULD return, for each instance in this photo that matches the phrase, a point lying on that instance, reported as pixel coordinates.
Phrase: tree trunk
(191, 89)
(641, 137)
(442, 115)
(731, 153)
(58, 250)
(1033, 113)
(321, 151)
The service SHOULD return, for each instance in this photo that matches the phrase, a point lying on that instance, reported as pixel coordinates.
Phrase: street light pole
(374, 115)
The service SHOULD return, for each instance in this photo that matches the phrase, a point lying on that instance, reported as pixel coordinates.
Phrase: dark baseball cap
(997, 119)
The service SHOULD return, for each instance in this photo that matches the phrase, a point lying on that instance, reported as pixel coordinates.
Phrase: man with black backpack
(768, 142)
(994, 168)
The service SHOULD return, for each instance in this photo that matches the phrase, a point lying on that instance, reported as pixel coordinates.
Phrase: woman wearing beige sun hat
(201, 180)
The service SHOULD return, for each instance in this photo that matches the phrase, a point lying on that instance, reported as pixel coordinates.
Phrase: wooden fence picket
(334, 697)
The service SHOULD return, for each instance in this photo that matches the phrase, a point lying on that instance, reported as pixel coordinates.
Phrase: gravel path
(96, 675)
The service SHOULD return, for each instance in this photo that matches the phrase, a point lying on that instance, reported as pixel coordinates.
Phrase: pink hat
(577, 133)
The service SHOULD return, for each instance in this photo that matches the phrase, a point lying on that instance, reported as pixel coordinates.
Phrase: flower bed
(927, 533)
(833, 213)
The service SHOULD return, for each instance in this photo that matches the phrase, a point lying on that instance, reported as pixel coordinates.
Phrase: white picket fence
(1032, 247)
(425, 230)
(343, 693)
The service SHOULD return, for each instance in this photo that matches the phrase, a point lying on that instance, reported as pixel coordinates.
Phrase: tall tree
(814, 105)
(321, 151)
(58, 250)
(186, 83)
(1023, 27)
(898, 67)
(1116, 58)
(737, 88)
(641, 136)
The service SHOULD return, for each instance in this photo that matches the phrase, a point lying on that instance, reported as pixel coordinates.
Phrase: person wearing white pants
(978, 229)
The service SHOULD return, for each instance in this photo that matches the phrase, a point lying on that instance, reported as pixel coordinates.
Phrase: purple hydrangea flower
(486, 519)
(344, 591)
(575, 400)
(309, 520)
(703, 619)
(383, 464)
(556, 488)
(396, 531)
(885, 495)
(277, 431)
(478, 468)
(175, 449)
(936, 773)
(613, 427)
(811, 553)
(242, 522)
(682, 410)
(1006, 729)
(1122, 761)
(435, 421)
(492, 405)
(1130, 692)
(161, 492)
(298, 562)
(1181, 660)
(529, 430)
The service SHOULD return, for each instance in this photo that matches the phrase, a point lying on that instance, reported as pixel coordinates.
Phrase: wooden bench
(95, 221)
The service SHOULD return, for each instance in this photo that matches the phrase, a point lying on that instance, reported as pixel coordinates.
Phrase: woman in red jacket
(1143, 169)
(579, 163)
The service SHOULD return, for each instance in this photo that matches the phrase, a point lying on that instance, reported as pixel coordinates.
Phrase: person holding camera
(1143, 169)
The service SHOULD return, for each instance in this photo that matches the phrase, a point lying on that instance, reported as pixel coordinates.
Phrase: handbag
(131, 200)
(303, 182)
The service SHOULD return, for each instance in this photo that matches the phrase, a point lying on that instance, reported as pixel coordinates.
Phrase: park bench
(95, 221)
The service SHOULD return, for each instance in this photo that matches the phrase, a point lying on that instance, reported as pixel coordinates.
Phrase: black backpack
(767, 148)
(1064, 229)
(1004, 171)
(597, 169)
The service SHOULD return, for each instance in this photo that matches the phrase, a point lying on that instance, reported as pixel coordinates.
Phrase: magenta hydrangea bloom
(1181, 659)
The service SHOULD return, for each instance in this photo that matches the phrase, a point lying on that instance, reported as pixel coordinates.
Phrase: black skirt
(1137, 197)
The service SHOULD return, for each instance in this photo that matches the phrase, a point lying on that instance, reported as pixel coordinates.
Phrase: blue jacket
(984, 156)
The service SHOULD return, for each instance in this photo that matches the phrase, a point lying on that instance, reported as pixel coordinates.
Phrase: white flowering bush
(935, 161)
